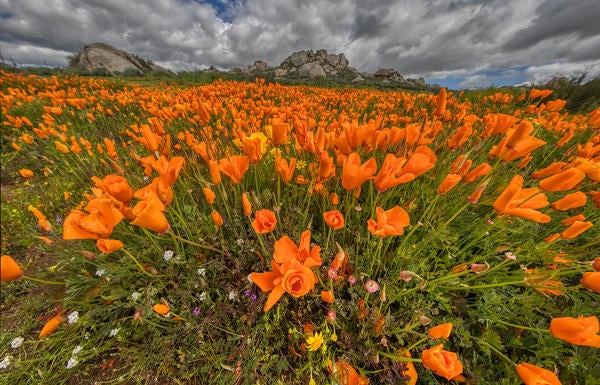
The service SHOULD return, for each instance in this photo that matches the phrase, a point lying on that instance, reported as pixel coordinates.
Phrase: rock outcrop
(310, 64)
(98, 56)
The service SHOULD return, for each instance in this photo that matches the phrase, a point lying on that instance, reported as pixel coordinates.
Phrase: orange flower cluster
(290, 269)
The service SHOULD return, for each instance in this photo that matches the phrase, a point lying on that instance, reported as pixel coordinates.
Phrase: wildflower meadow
(257, 233)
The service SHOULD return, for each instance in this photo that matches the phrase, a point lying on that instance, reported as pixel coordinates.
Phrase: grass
(217, 330)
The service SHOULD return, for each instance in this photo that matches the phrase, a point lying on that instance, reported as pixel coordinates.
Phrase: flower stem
(498, 352)
(39, 280)
(196, 244)
(137, 263)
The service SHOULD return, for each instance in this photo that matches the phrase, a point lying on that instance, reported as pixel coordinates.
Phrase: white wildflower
(100, 272)
(202, 296)
(135, 296)
(77, 349)
(16, 342)
(5, 362)
(168, 255)
(240, 242)
(72, 363)
(202, 272)
(73, 317)
(114, 332)
(232, 295)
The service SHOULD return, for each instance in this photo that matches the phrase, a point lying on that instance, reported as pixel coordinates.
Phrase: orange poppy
(335, 200)
(107, 246)
(534, 375)
(209, 195)
(408, 369)
(26, 173)
(9, 269)
(354, 174)
(116, 186)
(387, 176)
(476, 173)
(270, 281)
(440, 331)
(570, 201)
(217, 218)
(286, 250)
(285, 170)
(100, 221)
(327, 296)
(578, 331)
(51, 325)
(389, 222)
(161, 308)
(449, 182)
(552, 169)
(246, 206)
(575, 229)
(421, 161)
(334, 219)
(442, 362)
(215, 174)
(264, 221)
(562, 181)
(345, 374)
(42, 221)
(326, 166)
(591, 281)
(519, 202)
(234, 167)
(149, 214)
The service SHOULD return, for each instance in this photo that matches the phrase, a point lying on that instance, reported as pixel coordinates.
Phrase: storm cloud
(460, 43)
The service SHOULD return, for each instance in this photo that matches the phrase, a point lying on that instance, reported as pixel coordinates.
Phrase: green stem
(137, 263)
(521, 326)
(488, 286)
(498, 352)
(196, 244)
(39, 280)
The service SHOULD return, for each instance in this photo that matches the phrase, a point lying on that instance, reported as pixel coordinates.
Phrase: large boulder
(98, 56)
(311, 70)
(389, 74)
(313, 64)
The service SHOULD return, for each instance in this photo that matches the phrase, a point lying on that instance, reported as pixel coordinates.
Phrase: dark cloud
(476, 41)
(558, 18)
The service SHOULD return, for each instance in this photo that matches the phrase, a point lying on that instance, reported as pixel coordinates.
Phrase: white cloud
(434, 39)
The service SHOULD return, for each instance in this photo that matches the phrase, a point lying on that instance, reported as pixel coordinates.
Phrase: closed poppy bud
(579, 331)
(26, 173)
(246, 204)
(591, 281)
(442, 362)
(335, 200)
(51, 325)
(575, 229)
(562, 181)
(449, 182)
(217, 218)
(264, 221)
(327, 296)
(209, 195)
(440, 331)
(570, 201)
(161, 308)
(334, 219)
(215, 174)
(107, 246)
(116, 186)
(534, 375)
(9, 269)
(596, 264)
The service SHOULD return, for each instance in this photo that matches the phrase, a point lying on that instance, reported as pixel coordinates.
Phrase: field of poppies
(254, 233)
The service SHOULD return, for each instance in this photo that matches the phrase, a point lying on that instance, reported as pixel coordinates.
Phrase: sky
(453, 43)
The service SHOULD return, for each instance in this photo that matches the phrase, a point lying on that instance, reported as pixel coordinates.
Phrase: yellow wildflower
(314, 342)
